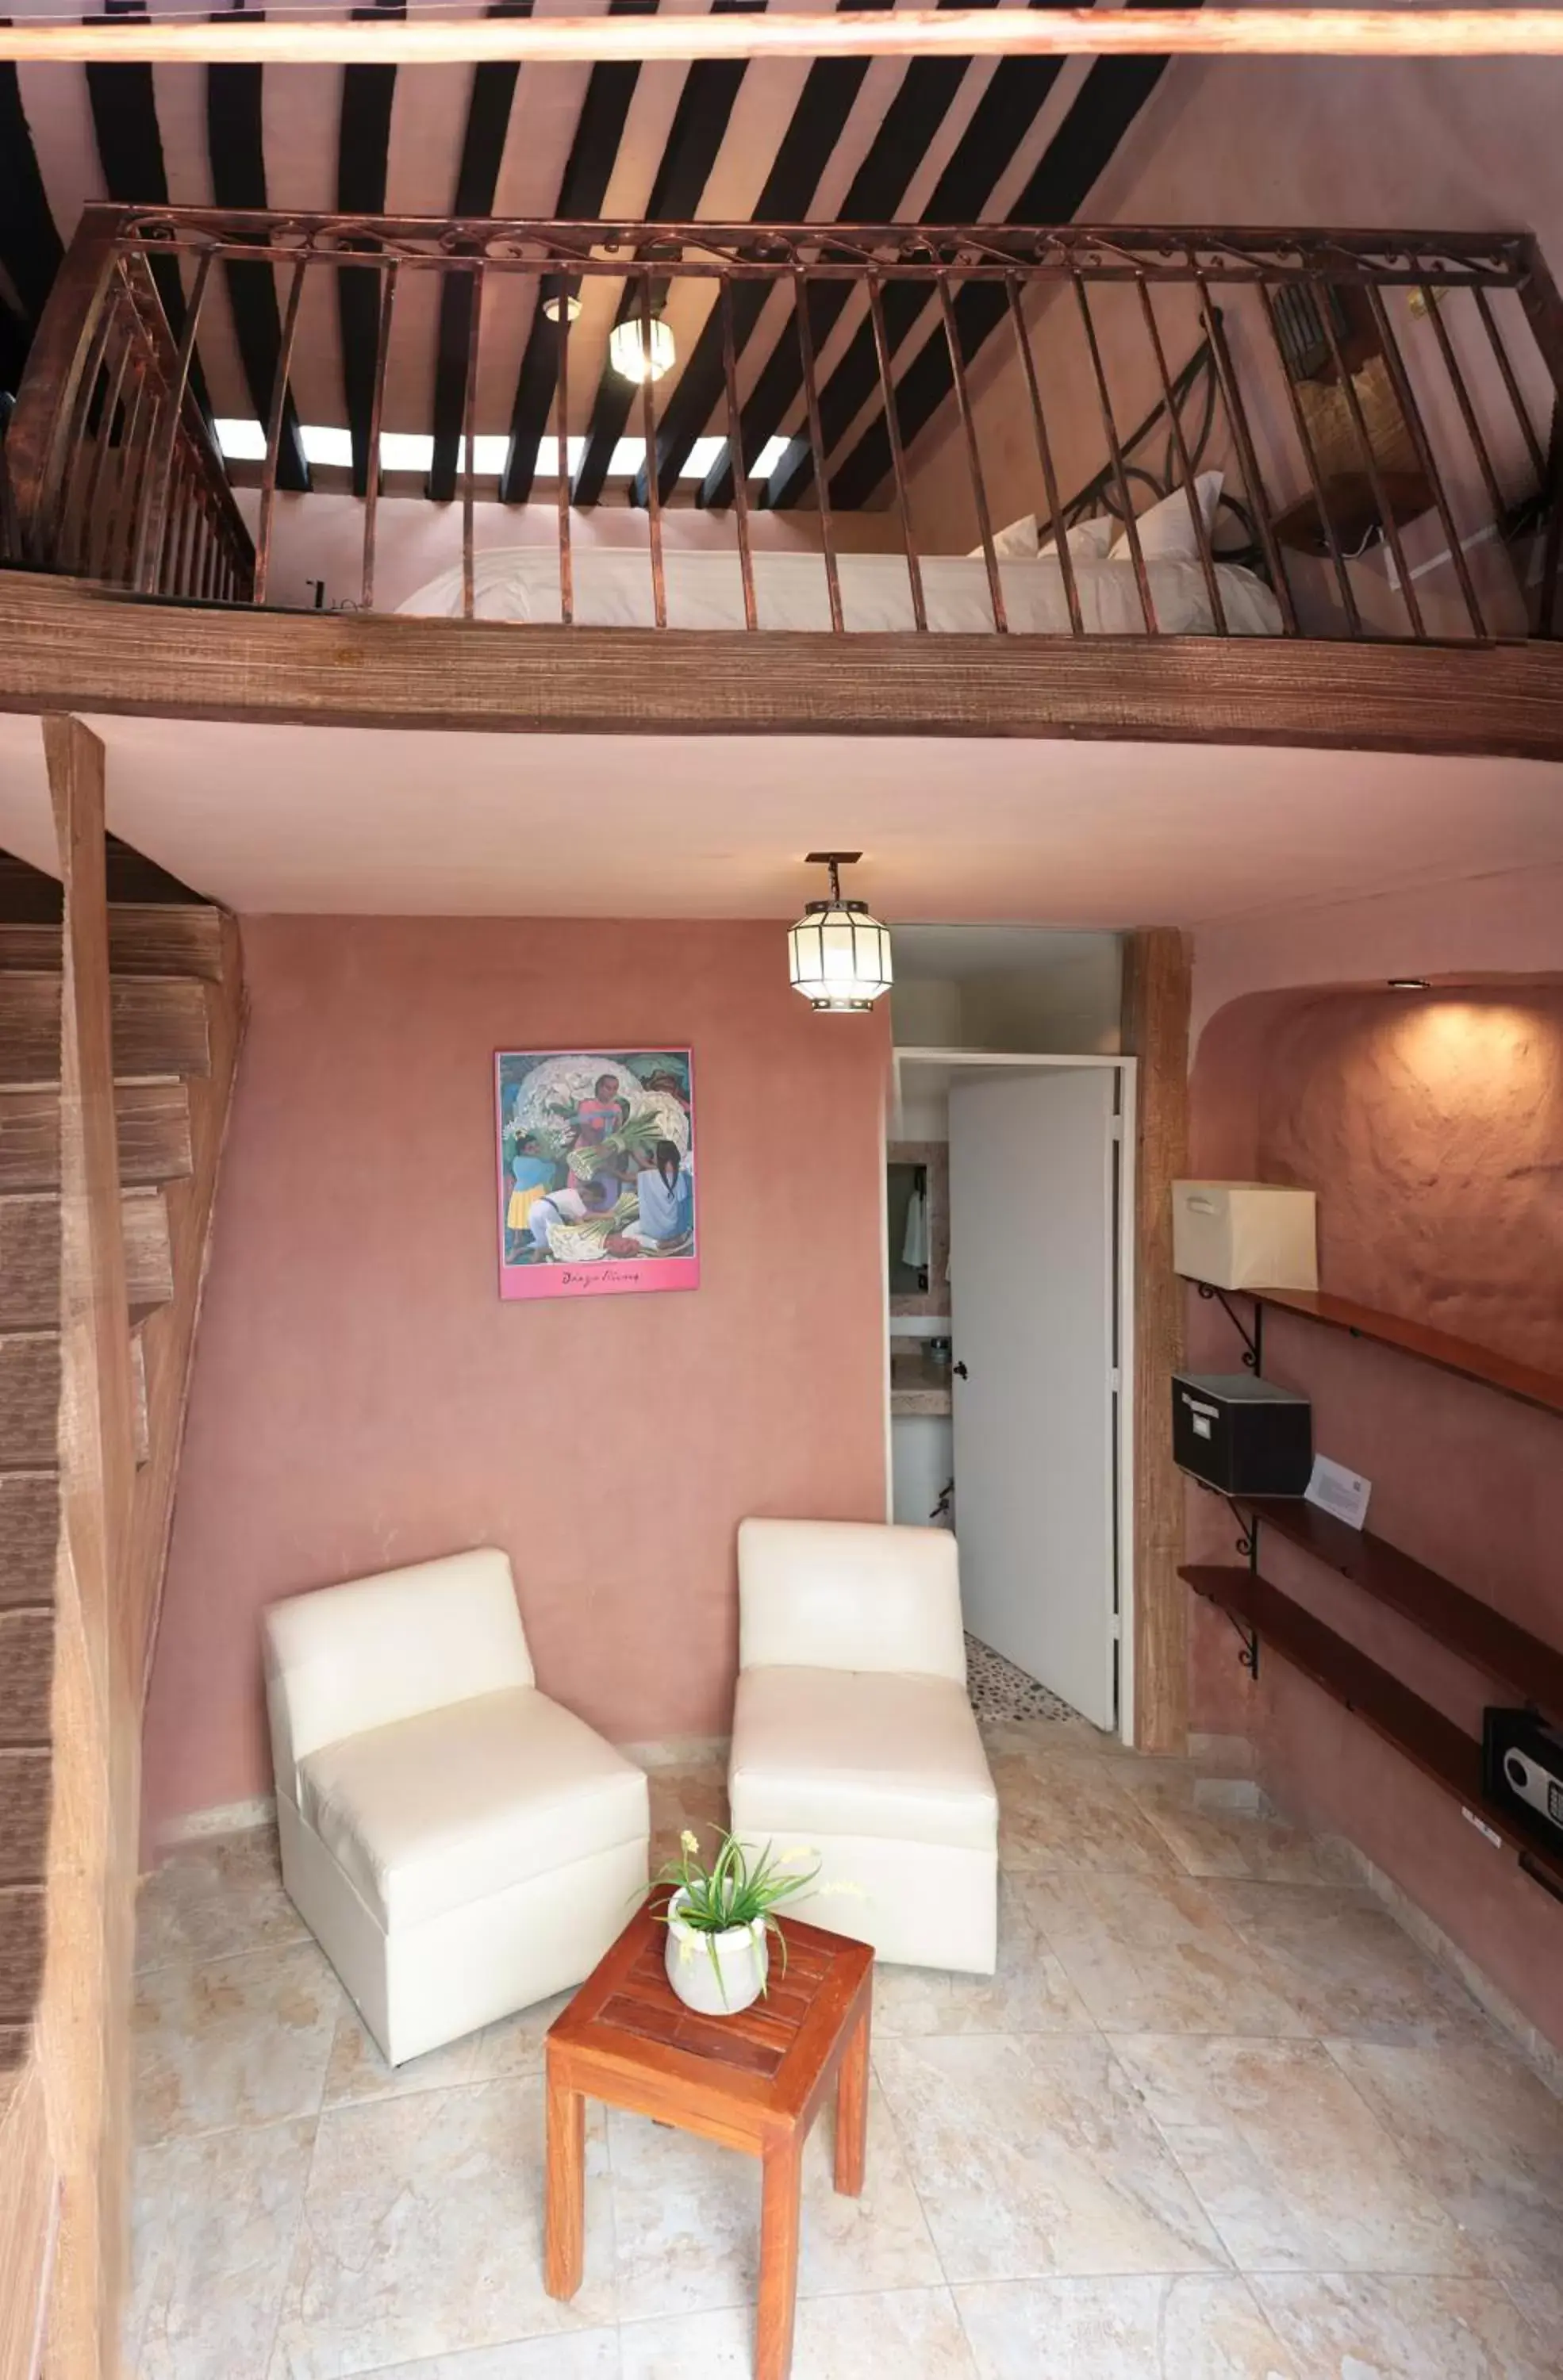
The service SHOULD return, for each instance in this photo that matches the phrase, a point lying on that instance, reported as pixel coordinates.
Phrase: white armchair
(852, 1733)
(460, 1845)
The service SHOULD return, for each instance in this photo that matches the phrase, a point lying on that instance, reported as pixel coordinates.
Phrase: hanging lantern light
(628, 352)
(840, 954)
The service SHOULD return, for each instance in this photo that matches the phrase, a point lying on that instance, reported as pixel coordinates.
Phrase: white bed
(612, 589)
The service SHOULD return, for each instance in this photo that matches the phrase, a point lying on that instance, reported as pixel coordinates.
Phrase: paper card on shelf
(1334, 1490)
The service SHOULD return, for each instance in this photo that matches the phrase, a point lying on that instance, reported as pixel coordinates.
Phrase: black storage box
(1522, 1770)
(1244, 1435)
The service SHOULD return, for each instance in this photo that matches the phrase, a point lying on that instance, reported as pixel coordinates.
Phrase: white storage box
(1245, 1236)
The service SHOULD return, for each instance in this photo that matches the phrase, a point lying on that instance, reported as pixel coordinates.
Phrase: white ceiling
(386, 821)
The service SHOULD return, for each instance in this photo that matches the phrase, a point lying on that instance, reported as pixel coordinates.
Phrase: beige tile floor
(1216, 2118)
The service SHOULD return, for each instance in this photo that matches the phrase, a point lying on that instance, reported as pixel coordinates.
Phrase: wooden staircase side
(120, 1024)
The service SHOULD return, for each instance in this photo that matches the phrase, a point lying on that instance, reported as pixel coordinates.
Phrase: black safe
(1522, 1769)
(1241, 1435)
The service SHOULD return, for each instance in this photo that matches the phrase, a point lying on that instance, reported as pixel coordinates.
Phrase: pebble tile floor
(1216, 2118)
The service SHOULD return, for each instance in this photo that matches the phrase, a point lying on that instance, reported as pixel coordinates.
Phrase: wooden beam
(27, 2183)
(1157, 983)
(31, 248)
(923, 99)
(910, 32)
(1080, 151)
(482, 153)
(123, 97)
(61, 642)
(235, 152)
(817, 124)
(363, 156)
(1001, 121)
(593, 150)
(83, 2016)
(698, 129)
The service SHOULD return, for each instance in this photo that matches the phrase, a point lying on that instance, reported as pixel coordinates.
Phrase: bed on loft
(991, 430)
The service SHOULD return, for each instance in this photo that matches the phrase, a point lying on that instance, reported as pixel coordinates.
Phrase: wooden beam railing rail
(1382, 407)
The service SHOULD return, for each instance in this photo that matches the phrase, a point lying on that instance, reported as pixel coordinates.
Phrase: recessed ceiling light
(1409, 983)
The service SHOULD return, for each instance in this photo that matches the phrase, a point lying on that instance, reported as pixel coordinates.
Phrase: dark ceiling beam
(1109, 101)
(363, 153)
(482, 153)
(599, 130)
(818, 120)
(31, 248)
(236, 155)
(999, 123)
(700, 128)
(124, 105)
(15, 340)
(924, 98)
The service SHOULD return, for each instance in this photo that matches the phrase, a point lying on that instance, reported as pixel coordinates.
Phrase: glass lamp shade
(840, 956)
(626, 349)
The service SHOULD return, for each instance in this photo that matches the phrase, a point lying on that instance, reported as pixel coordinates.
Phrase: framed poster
(597, 1178)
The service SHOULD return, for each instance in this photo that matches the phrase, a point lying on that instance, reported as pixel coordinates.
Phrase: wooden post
(1157, 982)
(83, 2017)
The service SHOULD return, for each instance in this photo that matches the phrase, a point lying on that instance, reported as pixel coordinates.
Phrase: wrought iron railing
(1383, 407)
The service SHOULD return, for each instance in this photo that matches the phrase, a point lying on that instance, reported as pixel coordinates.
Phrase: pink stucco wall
(1431, 1127)
(362, 1397)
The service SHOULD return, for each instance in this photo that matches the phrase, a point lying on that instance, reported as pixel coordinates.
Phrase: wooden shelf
(1441, 1750)
(1462, 1623)
(1450, 1355)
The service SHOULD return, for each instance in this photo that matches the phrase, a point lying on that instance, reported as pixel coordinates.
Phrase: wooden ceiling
(1022, 140)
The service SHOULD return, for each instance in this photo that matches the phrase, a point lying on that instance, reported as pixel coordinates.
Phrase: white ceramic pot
(730, 1982)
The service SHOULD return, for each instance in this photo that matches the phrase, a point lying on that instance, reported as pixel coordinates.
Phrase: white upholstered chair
(852, 1733)
(460, 1845)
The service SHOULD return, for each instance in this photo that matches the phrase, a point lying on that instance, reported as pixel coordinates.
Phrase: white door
(1032, 1197)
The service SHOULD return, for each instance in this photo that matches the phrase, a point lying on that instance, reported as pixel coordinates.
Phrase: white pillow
(1166, 532)
(1087, 542)
(1016, 543)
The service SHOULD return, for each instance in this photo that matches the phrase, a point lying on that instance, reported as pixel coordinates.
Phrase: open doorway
(1008, 1205)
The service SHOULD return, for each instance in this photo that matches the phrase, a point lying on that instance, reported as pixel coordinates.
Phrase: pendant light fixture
(840, 954)
(628, 352)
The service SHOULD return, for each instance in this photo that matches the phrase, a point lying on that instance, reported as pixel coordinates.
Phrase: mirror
(917, 1226)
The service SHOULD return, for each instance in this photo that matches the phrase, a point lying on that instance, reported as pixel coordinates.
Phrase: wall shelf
(1440, 1749)
(1450, 1355)
(1462, 1623)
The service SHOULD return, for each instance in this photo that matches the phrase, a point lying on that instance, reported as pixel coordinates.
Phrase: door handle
(960, 1371)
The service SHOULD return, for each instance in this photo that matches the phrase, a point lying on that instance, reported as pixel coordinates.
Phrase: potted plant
(719, 1918)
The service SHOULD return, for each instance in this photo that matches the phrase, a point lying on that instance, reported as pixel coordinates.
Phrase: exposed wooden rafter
(123, 105)
(1112, 95)
(999, 123)
(31, 251)
(925, 97)
(236, 154)
(818, 122)
(1415, 32)
(482, 153)
(369, 94)
(581, 192)
(698, 128)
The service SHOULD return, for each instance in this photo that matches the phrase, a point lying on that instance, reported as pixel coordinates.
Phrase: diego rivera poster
(597, 1174)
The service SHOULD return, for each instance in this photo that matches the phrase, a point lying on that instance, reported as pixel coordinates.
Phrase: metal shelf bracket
(1253, 1341)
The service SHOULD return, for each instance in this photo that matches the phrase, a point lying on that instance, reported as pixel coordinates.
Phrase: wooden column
(83, 2017)
(1156, 1030)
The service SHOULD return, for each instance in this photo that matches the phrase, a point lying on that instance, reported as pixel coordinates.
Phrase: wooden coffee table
(754, 2082)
